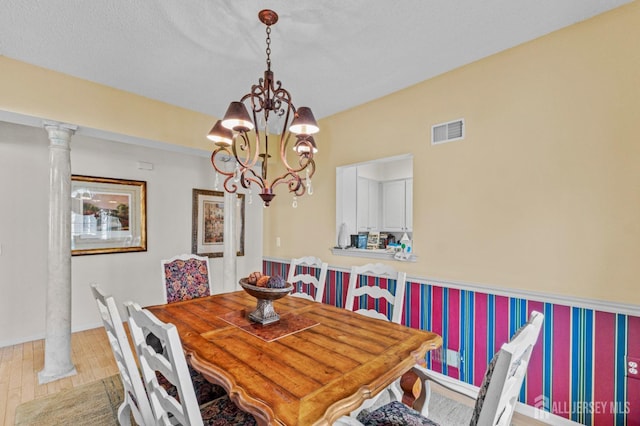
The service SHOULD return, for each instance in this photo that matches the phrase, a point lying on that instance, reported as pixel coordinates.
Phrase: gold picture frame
(207, 223)
(107, 215)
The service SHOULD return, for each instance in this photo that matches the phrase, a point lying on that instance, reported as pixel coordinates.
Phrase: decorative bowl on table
(264, 313)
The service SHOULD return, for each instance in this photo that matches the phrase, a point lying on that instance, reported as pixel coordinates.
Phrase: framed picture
(207, 225)
(107, 215)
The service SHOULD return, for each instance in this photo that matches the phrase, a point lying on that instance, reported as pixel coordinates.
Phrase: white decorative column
(229, 260)
(57, 349)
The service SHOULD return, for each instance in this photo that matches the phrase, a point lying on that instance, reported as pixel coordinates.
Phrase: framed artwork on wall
(107, 215)
(207, 224)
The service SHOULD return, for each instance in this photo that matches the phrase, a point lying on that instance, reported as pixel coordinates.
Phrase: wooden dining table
(316, 364)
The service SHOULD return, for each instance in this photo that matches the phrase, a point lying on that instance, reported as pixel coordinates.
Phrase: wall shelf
(371, 254)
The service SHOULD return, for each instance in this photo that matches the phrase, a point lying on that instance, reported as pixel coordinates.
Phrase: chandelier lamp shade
(244, 134)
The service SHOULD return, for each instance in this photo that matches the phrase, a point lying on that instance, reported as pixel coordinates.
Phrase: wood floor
(93, 359)
(20, 364)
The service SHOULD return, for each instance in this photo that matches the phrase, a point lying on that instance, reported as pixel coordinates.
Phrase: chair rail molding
(578, 302)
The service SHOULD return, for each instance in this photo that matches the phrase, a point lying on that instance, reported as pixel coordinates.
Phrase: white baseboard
(40, 336)
(543, 416)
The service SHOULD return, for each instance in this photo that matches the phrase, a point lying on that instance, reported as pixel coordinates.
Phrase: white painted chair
(185, 277)
(135, 397)
(171, 364)
(306, 278)
(357, 289)
(495, 400)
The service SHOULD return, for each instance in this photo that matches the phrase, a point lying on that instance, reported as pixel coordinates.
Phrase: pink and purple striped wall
(577, 370)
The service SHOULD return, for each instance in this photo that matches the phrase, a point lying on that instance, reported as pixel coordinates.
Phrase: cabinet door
(408, 213)
(374, 205)
(368, 204)
(393, 205)
(362, 204)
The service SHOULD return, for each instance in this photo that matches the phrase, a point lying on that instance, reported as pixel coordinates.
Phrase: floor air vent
(447, 132)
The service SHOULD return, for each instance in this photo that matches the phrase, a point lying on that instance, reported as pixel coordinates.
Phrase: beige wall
(543, 193)
(42, 93)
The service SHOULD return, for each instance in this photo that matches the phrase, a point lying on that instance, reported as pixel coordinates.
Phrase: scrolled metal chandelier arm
(305, 162)
(229, 185)
(242, 144)
(253, 113)
(244, 163)
(297, 184)
(234, 176)
(304, 157)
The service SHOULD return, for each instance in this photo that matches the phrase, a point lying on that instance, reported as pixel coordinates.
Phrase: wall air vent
(447, 132)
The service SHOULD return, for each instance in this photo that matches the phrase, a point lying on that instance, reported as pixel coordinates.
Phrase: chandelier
(246, 128)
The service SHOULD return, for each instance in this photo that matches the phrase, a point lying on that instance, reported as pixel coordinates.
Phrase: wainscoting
(577, 370)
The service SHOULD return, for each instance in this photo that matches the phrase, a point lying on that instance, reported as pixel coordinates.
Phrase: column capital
(59, 133)
(60, 126)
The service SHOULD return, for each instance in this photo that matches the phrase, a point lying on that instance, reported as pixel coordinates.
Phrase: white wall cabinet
(397, 205)
(368, 205)
(360, 200)
(346, 209)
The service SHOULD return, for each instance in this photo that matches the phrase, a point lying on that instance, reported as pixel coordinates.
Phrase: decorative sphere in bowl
(265, 292)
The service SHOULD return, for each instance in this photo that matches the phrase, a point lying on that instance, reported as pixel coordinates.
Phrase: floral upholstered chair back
(186, 277)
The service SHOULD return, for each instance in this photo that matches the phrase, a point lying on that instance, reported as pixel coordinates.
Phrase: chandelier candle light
(233, 135)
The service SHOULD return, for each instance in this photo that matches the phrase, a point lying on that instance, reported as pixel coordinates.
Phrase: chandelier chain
(268, 50)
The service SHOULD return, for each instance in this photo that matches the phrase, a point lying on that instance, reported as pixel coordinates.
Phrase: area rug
(94, 403)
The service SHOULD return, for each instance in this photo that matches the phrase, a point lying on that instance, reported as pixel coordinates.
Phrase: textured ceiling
(331, 54)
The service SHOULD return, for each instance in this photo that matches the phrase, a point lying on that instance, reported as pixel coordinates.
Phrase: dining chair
(365, 281)
(306, 278)
(135, 398)
(135, 401)
(186, 277)
(171, 363)
(495, 399)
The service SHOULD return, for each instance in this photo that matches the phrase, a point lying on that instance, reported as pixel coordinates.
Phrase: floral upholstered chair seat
(205, 390)
(162, 356)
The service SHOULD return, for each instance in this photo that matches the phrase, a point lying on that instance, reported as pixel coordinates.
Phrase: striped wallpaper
(578, 367)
